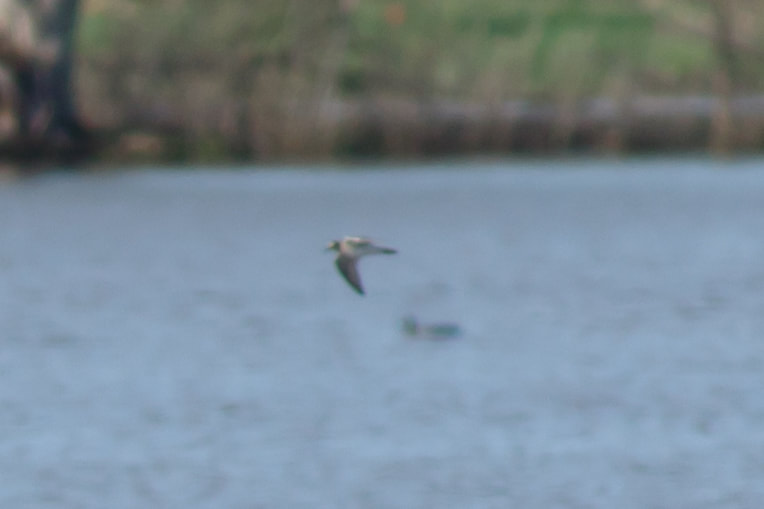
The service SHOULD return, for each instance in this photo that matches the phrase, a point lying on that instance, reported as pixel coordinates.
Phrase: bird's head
(333, 246)
(410, 325)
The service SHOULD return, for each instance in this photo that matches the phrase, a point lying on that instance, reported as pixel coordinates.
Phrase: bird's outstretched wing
(349, 270)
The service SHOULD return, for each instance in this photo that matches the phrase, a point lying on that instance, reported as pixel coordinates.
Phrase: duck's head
(410, 325)
(333, 246)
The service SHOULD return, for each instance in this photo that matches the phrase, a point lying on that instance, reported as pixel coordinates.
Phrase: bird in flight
(349, 250)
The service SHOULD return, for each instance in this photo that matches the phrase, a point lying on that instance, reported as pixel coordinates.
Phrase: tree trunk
(46, 122)
(722, 126)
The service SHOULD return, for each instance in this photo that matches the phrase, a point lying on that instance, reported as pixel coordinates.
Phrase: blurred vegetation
(320, 78)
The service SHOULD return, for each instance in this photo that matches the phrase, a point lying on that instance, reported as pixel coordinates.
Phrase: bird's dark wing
(348, 269)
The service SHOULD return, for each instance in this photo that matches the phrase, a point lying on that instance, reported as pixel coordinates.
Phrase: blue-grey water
(179, 339)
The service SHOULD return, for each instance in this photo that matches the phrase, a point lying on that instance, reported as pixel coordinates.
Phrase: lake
(180, 338)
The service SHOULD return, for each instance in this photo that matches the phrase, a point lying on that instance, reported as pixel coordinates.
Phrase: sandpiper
(349, 250)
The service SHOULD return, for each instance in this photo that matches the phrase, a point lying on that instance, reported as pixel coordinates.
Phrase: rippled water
(180, 339)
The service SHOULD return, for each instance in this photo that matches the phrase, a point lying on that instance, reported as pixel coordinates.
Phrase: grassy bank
(273, 78)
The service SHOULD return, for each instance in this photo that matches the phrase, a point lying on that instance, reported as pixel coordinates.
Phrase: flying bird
(349, 250)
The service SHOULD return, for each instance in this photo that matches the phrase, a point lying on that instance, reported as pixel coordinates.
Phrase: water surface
(180, 339)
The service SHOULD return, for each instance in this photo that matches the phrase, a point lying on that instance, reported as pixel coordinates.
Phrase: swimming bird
(440, 330)
(349, 250)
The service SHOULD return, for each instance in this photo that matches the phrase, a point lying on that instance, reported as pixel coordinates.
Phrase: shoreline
(410, 129)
